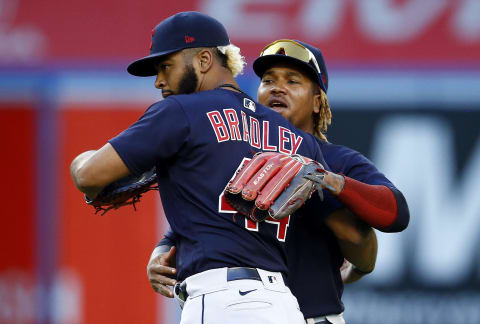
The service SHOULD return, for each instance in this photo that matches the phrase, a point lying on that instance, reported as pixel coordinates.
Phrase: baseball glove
(126, 191)
(275, 185)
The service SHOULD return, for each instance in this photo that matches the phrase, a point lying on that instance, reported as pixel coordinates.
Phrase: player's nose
(160, 82)
(278, 88)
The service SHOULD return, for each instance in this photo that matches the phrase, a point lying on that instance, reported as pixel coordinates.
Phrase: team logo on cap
(151, 42)
(189, 39)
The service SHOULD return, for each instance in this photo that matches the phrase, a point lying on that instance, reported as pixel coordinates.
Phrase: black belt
(233, 274)
(241, 273)
(248, 273)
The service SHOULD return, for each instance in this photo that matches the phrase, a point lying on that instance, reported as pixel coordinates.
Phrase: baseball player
(230, 272)
(294, 83)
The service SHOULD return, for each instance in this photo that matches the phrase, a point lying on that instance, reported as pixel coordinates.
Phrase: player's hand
(161, 271)
(333, 182)
(345, 269)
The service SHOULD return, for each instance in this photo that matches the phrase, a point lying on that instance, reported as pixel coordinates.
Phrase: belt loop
(180, 293)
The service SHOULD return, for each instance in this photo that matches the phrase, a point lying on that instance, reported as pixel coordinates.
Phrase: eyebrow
(162, 60)
(297, 74)
(289, 73)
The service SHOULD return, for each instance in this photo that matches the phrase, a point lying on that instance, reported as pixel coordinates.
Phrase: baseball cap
(288, 50)
(188, 29)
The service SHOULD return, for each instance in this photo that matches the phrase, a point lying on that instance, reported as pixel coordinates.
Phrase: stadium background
(405, 91)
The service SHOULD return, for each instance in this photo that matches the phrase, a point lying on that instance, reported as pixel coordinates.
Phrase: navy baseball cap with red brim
(183, 30)
(264, 62)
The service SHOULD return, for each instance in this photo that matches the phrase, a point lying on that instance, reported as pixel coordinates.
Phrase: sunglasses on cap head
(293, 49)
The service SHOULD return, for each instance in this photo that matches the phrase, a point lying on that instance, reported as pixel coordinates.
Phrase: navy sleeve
(331, 203)
(155, 137)
(168, 240)
(403, 213)
(352, 164)
(362, 169)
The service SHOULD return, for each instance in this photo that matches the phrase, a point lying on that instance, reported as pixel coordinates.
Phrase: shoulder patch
(249, 104)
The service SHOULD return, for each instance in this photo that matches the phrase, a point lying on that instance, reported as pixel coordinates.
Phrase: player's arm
(151, 139)
(161, 269)
(93, 170)
(381, 207)
(357, 241)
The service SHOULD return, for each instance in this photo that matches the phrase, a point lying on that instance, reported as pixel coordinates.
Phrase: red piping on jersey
(374, 204)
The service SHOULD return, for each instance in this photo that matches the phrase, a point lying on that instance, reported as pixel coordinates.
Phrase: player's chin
(280, 109)
(165, 94)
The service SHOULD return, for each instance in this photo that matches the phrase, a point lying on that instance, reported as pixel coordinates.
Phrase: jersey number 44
(282, 225)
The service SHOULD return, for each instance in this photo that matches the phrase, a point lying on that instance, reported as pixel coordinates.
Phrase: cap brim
(263, 63)
(145, 66)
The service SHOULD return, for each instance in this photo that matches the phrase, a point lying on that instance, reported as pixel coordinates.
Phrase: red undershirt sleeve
(379, 206)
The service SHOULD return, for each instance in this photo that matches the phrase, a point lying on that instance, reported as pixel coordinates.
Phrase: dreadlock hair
(322, 119)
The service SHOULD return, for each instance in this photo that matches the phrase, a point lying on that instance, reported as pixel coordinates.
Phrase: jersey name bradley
(229, 127)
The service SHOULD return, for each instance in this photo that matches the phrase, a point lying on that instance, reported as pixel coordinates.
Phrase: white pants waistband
(216, 279)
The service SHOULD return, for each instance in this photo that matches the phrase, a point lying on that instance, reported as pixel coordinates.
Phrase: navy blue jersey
(196, 142)
(314, 257)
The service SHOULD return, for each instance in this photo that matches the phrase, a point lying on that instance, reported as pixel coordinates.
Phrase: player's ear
(204, 60)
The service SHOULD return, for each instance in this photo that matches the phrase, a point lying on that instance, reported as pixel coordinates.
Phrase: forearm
(357, 242)
(346, 226)
(363, 255)
(379, 206)
(356, 239)
(79, 176)
(93, 170)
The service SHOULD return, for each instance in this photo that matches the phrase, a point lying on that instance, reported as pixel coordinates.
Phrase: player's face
(175, 76)
(289, 92)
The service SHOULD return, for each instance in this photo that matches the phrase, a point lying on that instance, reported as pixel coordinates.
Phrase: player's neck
(217, 77)
(308, 128)
(229, 86)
